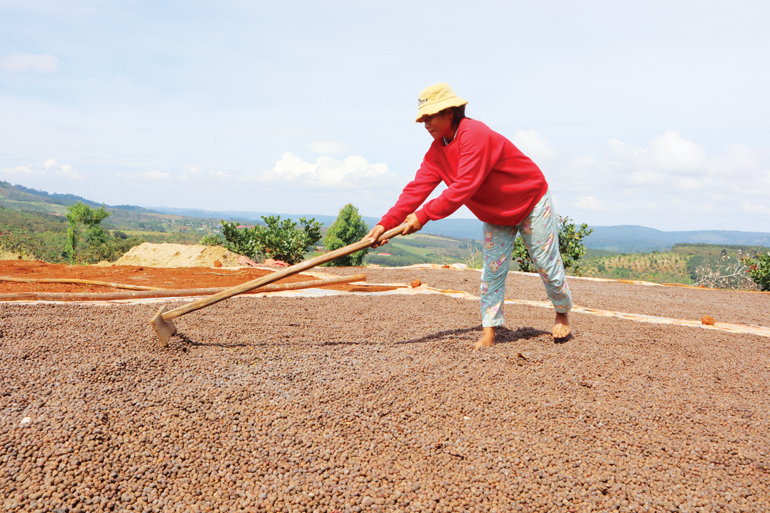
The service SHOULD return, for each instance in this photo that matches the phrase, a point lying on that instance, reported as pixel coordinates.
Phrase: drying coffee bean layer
(377, 403)
(677, 302)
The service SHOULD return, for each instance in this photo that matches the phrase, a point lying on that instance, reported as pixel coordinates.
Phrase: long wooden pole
(78, 281)
(142, 294)
(294, 269)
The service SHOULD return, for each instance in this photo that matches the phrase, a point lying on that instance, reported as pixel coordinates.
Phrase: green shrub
(110, 250)
(281, 240)
(33, 245)
(212, 240)
(759, 270)
(347, 229)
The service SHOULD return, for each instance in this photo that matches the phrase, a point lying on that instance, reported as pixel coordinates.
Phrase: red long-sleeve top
(482, 169)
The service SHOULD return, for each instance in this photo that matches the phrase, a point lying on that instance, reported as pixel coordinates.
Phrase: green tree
(759, 270)
(347, 229)
(278, 239)
(81, 216)
(571, 247)
(112, 249)
(212, 240)
(45, 247)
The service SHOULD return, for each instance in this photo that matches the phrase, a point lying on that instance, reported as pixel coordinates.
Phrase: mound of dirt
(178, 255)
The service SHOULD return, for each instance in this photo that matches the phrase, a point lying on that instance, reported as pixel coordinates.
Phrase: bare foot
(561, 326)
(487, 339)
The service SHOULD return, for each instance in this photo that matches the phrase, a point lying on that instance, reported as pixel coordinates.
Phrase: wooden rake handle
(294, 269)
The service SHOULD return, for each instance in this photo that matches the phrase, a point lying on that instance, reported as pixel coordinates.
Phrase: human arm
(415, 192)
(411, 224)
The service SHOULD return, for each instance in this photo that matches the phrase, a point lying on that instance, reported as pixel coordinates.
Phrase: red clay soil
(162, 277)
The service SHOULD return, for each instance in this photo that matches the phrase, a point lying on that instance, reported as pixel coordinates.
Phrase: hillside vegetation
(685, 263)
(32, 223)
(420, 248)
(667, 267)
(130, 219)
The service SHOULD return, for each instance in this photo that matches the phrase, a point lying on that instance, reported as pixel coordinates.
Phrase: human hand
(374, 234)
(411, 225)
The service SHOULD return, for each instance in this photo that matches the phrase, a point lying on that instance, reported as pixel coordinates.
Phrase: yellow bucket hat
(436, 98)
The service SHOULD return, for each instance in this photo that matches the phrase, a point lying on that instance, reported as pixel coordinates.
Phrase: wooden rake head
(163, 328)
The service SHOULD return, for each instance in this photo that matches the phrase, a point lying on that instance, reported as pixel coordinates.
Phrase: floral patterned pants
(540, 232)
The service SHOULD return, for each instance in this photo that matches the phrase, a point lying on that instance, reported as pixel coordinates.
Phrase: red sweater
(483, 170)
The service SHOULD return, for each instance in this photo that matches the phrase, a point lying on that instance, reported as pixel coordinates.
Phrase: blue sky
(651, 113)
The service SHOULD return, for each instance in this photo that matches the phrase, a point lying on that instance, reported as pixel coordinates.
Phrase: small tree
(110, 251)
(81, 216)
(726, 272)
(571, 247)
(347, 229)
(281, 240)
(759, 270)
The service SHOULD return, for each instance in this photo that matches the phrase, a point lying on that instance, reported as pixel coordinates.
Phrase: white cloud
(530, 142)
(68, 171)
(669, 164)
(328, 173)
(330, 147)
(588, 203)
(672, 181)
(191, 173)
(668, 154)
(22, 171)
(156, 176)
(196, 173)
(64, 170)
(755, 208)
(48, 167)
(20, 62)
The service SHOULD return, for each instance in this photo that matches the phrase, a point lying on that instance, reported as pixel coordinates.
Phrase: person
(501, 186)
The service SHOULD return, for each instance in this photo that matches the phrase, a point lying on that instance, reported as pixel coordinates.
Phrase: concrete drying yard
(377, 403)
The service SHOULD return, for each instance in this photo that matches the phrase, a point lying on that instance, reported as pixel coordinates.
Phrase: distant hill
(242, 215)
(15, 196)
(639, 239)
(136, 220)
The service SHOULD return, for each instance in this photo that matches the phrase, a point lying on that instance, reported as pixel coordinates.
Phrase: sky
(651, 113)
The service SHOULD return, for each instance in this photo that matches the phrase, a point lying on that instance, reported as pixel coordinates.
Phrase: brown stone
(415, 283)
(708, 320)
(217, 263)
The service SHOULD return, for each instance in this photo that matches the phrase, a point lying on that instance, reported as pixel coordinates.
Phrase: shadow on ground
(503, 335)
(183, 341)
